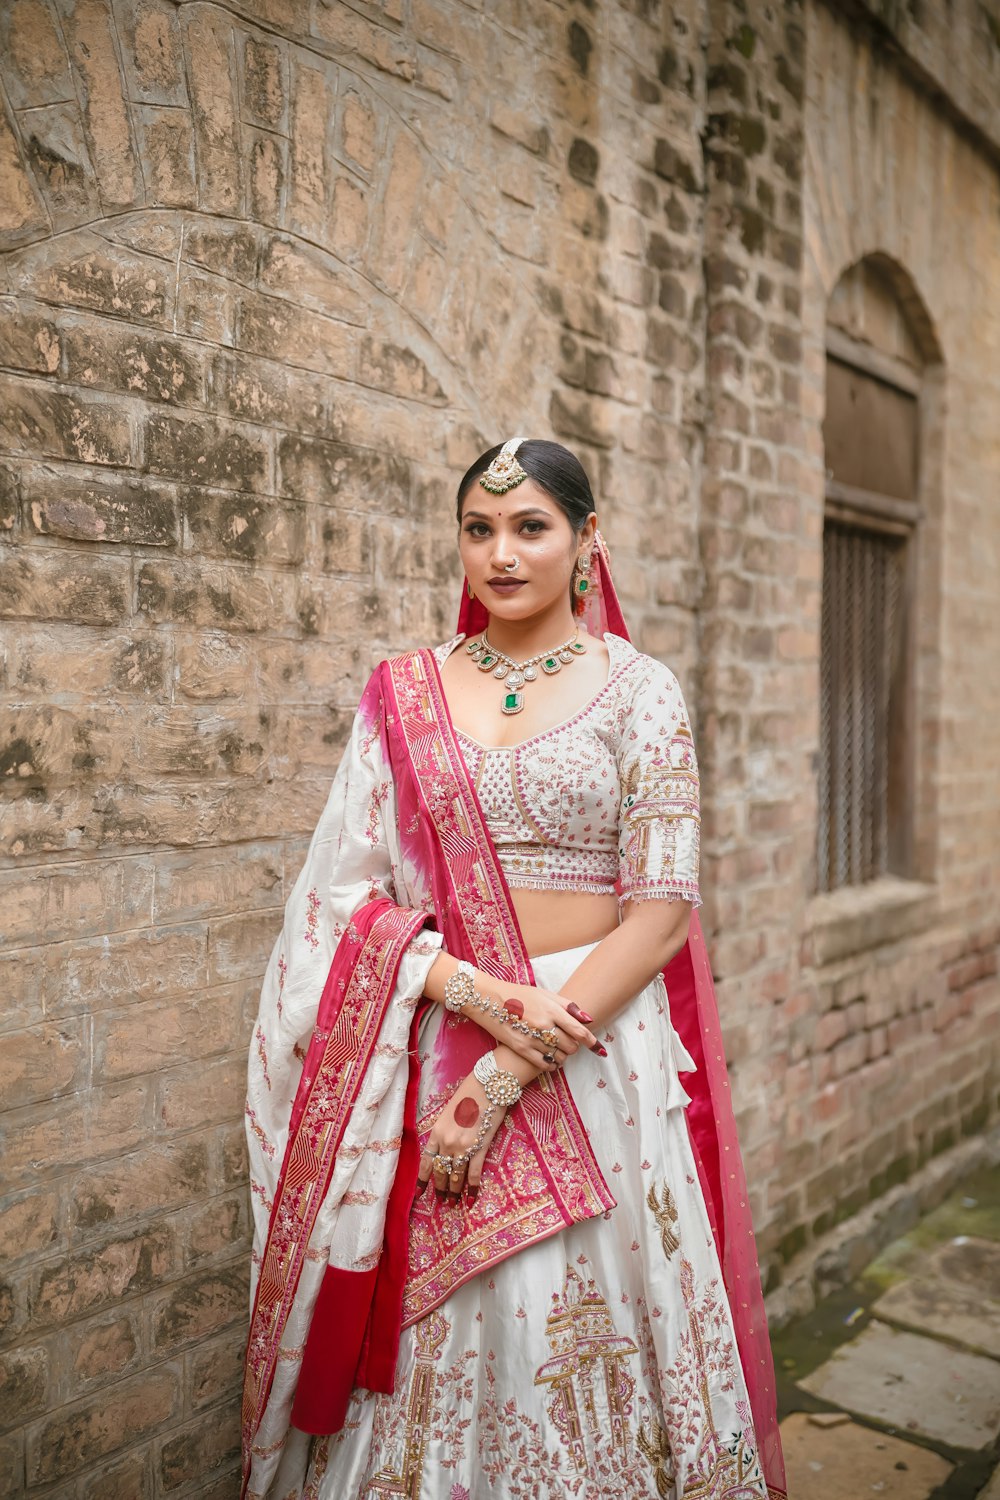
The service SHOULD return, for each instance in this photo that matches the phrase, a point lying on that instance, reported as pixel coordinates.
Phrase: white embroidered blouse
(606, 801)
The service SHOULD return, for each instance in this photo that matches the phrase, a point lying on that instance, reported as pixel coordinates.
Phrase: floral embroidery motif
(282, 971)
(665, 1214)
(373, 827)
(312, 918)
(717, 1466)
(265, 1144)
(262, 1053)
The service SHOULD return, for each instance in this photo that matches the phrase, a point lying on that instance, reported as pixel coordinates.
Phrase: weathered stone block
(218, 1229)
(239, 947)
(270, 326)
(318, 471)
(151, 49)
(225, 598)
(128, 1480)
(99, 1278)
(84, 271)
(89, 30)
(312, 116)
(398, 370)
(28, 339)
(265, 84)
(22, 215)
(24, 1384)
(154, 1180)
(202, 451)
(248, 527)
(120, 969)
(38, 421)
(301, 273)
(76, 1436)
(214, 1368)
(208, 41)
(206, 308)
(210, 1093)
(55, 149)
(228, 250)
(42, 1062)
(198, 1306)
(267, 174)
(167, 139)
(119, 359)
(386, 50)
(35, 65)
(211, 881)
(265, 392)
(12, 1466)
(149, 1038)
(359, 129)
(99, 508)
(98, 1351)
(30, 1224)
(201, 1448)
(63, 901)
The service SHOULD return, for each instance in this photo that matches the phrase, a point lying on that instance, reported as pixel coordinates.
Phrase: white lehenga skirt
(598, 1364)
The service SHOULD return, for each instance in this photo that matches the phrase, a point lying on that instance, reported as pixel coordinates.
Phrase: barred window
(869, 537)
(862, 660)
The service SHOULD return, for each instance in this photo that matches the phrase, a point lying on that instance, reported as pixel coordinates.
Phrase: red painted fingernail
(472, 1194)
(601, 1051)
(441, 1193)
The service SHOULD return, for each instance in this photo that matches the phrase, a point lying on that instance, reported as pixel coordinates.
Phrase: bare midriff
(552, 921)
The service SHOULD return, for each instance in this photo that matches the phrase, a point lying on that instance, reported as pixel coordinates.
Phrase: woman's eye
(533, 528)
(476, 528)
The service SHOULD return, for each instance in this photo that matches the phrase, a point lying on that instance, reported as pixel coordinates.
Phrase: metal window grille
(860, 652)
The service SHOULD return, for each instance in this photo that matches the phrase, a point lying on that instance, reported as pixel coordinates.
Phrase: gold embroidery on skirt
(429, 1337)
(655, 1446)
(665, 1214)
(582, 1335)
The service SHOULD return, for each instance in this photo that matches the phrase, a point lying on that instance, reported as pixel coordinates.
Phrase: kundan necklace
(514, 674)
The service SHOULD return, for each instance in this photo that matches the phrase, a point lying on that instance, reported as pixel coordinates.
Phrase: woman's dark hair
(553, 468)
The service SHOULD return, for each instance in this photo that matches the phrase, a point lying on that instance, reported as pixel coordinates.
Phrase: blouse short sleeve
(659, 830)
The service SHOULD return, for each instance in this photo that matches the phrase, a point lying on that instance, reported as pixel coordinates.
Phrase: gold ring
(549, 1037)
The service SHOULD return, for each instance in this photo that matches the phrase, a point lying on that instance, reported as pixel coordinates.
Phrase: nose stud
(513, 565)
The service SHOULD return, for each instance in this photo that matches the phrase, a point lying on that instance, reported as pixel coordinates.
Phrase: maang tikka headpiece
(504, 472)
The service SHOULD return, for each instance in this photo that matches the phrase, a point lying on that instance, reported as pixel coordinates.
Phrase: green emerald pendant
(512, 703)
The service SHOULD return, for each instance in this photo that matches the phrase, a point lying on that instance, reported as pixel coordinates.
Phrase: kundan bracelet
(460, 990)
(500, 1087)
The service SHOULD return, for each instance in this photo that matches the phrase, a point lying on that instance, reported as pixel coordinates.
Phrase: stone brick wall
(271, 274)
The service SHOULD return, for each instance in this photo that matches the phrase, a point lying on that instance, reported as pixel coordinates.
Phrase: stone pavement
(891, 1387)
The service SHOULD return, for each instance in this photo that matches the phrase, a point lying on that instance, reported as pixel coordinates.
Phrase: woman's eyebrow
(515, 515)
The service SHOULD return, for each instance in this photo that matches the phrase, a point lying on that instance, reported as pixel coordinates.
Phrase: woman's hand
(467, 1123)
(540, 1010)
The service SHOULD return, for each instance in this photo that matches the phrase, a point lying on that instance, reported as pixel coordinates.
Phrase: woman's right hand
(541, 1010)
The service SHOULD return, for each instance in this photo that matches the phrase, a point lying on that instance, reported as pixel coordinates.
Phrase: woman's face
(526, 524)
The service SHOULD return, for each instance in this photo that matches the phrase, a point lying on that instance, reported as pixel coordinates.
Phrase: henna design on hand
(466, 1112)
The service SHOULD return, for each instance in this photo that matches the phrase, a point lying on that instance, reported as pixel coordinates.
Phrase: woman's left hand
(455, 1131)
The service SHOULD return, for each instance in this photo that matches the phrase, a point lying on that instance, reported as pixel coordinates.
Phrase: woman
(489, 1217)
